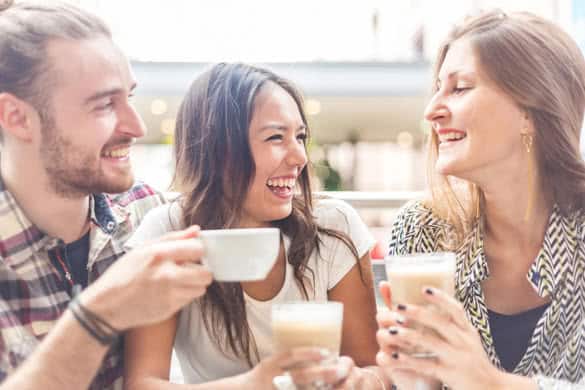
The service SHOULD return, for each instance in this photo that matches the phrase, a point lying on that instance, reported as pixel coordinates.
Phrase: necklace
(64, 267)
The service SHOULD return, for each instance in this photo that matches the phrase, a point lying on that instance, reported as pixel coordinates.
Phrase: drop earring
(528, 140)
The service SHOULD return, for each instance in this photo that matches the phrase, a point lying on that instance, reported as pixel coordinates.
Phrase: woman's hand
(312, 366)
(460, 362)
(263, 374)
(402, 379)
(339, 373)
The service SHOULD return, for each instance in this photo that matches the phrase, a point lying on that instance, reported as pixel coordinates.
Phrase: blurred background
(364, 67)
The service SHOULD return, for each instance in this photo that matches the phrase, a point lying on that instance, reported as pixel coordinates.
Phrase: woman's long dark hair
(212, 151)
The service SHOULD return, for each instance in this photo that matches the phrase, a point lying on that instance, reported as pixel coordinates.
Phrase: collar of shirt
(20, 238)
(547, 272)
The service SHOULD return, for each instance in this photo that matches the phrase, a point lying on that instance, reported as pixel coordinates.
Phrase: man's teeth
(117, 153)
(281, 182)
(453, 136)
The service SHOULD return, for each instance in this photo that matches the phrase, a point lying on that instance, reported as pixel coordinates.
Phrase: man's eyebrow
(108, 92)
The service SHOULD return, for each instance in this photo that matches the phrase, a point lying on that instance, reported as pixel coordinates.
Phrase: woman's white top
(200, 358)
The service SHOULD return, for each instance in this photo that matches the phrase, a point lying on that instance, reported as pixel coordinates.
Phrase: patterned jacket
(33, 294)
(556, 352)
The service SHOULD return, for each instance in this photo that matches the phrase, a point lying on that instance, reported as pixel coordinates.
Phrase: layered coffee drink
(307, 324)
(408, 275)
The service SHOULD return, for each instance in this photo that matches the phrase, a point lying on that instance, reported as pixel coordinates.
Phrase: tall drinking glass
(307, 324)
(408, 275)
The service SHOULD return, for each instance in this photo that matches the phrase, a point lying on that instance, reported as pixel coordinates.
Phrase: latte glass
(307, 324)
(408, 275)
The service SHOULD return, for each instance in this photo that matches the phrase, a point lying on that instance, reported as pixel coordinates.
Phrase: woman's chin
(444, 169)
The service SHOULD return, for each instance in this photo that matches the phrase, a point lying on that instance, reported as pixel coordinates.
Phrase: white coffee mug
(235, 255)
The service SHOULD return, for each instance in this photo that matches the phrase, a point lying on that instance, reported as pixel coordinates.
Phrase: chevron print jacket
(556, 352)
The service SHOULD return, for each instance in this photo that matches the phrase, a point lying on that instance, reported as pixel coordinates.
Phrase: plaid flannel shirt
(33, 294)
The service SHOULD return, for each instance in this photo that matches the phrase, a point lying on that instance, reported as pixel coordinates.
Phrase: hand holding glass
(408, 275)
(308, 324)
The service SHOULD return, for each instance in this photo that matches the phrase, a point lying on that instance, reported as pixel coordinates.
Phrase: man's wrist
(96, 326)
(104, 304)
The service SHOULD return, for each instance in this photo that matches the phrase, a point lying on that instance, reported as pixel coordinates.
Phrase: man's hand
(150, 284)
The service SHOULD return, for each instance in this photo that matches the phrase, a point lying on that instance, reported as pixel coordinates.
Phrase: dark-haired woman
(241, 161)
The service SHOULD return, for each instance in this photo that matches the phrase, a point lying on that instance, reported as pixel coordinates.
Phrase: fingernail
(401, 306)
(393, 387)
(430, 291)
(400, 321)
(393, 331)
(394, 355)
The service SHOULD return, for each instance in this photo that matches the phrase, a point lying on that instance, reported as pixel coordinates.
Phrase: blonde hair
(543, 70)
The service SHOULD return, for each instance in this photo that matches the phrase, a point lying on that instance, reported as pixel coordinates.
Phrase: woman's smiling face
(477, 125)
(277, 136)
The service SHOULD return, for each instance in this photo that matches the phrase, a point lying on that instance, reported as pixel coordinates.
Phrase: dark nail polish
(401, 306)
(393, 331)
(400, 322)
(394, 355)
(394, 387)
(430, 291)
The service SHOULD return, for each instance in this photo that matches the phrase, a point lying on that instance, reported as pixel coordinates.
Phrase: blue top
(512, 334)
(74, 256)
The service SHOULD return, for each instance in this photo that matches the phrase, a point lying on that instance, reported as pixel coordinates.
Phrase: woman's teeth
(281, 183)
(454, 136)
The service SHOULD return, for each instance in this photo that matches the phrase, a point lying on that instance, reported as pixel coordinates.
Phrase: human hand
(263, 374)
(337, 373)
(150, 284)
(403, 379)
(329, 373)
(460, 362)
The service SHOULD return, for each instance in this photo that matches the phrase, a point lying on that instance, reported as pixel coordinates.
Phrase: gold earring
(477, 201)
(527, 140)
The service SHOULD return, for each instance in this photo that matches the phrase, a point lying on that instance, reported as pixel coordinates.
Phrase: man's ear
(16, 117)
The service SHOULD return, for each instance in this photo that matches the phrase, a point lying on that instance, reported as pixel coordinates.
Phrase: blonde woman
(508, 196)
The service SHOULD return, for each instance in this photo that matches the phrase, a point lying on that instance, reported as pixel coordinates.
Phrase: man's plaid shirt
(33, 294)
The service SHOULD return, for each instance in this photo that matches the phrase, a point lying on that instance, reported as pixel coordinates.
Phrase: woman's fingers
(395, 339)
(448, 305)
(387, 318)
(386, 293)
(298, 357)
(402, 361)
(326, 372)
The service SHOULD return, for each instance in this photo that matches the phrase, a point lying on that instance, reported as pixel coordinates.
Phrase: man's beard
(74, 172)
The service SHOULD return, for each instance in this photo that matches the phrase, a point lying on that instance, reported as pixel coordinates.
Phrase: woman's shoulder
(417, 214)
(157, 222)
(170, 211)
(570, 225)
(327, 205)
(416, 229)
(334, 213)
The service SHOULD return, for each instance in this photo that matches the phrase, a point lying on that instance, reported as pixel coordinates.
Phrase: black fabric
(512, 334)
(75, 256)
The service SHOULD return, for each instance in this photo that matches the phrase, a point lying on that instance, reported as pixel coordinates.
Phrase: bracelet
(378, 379)
(96, 326)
